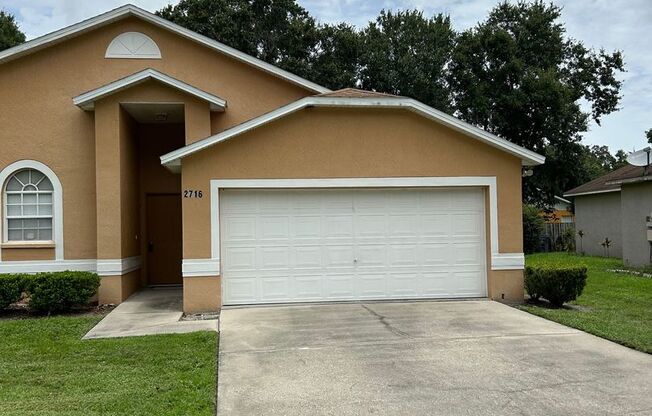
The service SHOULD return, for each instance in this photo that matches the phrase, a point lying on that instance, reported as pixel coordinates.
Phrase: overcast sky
(613, 24)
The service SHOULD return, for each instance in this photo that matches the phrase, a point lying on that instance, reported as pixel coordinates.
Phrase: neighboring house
(560, 212)
(615, 206)
(156, 156)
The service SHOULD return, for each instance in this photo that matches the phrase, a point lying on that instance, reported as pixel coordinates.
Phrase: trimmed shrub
(533, 225)
(556, 284)
(60, 291)
(11, 288)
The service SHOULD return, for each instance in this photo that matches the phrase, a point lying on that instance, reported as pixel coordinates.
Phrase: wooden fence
(553, 236)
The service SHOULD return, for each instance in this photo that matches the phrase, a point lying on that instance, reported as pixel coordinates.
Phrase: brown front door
(164, 250)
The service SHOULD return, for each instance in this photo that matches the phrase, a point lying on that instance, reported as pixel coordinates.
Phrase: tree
(277, 31)
(335, 56)
(10, 34)
(405, 53)
(518, 76)
(648, 134)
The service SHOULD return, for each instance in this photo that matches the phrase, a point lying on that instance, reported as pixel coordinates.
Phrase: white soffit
(172, 160)
(87, 100)
(133, 45)
(131, 10)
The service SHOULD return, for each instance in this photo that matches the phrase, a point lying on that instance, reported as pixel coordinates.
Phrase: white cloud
(613, 24)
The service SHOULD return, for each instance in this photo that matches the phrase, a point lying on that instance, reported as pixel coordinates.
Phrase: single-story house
(616, 206)
(153, 155)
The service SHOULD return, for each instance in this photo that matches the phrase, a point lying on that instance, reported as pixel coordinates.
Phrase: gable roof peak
(129, 10)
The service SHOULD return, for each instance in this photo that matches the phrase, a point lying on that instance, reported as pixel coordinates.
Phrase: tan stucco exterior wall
(27, 254)
(202, 294)
(115, 289)
(347, 143)
(40, 122)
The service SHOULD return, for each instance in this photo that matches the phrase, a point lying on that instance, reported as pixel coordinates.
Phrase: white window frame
(57, 204)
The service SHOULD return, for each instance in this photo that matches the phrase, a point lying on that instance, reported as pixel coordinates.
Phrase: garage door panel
(273, 227)
(239, 258)
(327, 245)
(270, 258)
(339, 286)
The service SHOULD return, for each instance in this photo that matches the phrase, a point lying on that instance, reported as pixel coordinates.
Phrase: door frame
(146, 237)
(497, 260)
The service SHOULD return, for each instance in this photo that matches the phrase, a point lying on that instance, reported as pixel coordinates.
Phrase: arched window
(31, 206)
(29, 197)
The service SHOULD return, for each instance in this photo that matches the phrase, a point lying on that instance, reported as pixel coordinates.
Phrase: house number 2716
(192, 193)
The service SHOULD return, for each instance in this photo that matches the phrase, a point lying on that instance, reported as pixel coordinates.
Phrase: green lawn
(613, 306)
(45, 369)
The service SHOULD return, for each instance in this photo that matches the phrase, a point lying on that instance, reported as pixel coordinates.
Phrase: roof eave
(86, 101)
(131, 10)
(604, 191)
(528, 158)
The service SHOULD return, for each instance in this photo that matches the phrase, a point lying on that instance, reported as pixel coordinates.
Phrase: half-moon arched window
(133, 45)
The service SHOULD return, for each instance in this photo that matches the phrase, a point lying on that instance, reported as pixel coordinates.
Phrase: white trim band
(507, 261)
(110, 267)
(118, 267)
(200, 267)
(38, 266)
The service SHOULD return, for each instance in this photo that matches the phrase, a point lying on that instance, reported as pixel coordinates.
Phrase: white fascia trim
(399, 182)
(173, 159)
(200, 267)
(87, 100)
(507, 261)
(593, 192)
(57, 201)
(131, 10)
(118, 267)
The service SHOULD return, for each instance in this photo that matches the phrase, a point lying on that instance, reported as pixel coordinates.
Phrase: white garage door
(282, 246)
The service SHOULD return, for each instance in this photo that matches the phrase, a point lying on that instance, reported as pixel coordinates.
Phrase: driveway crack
(383, 320)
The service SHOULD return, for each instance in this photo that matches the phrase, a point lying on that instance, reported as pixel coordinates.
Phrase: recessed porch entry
(313, 245)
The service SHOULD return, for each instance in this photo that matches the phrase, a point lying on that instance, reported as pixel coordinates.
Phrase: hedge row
(49, 292)
(556, 284)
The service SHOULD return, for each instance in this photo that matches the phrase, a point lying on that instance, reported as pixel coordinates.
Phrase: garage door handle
(355, 260)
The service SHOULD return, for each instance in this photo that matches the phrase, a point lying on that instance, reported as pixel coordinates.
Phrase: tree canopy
(516, 74)
(10, 34)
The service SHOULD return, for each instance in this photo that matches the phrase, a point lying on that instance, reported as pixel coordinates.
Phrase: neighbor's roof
(610, 182)
(130, 10)
(356, 93)
(172, 160)
(87, 100)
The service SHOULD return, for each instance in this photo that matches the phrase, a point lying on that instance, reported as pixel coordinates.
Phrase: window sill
(28, 244)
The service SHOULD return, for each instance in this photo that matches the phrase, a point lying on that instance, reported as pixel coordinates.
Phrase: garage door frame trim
(499, 261)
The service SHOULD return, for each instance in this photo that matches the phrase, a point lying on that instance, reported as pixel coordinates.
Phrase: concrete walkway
(422, 358)
(149, 312)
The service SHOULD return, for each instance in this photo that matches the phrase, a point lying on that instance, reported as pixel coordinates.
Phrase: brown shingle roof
(357, 93)
(608, 182)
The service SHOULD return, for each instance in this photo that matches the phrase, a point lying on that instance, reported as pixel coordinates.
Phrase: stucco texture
(636, 200)
(598, 217)
(346, 143)
(40, 122)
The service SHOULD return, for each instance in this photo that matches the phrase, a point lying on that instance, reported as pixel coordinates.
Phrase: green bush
(11, 288)
(533, 225)
(60, 291)
(556, 284)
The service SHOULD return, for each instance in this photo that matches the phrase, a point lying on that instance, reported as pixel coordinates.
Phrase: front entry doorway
(164, 239)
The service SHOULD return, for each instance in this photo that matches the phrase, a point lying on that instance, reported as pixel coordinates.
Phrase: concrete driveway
(422, 358)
